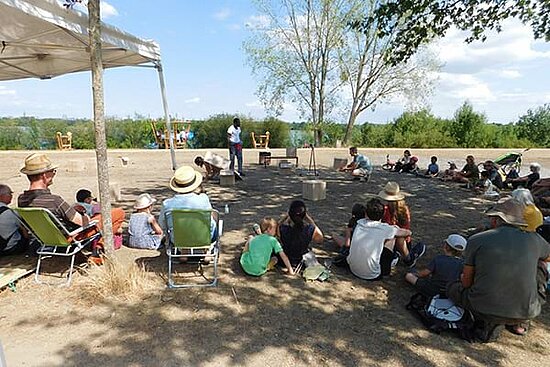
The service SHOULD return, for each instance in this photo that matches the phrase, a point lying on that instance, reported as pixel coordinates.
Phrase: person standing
(235, 145)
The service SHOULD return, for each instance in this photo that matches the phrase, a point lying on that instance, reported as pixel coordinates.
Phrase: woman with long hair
(396, 211)
(297, 230)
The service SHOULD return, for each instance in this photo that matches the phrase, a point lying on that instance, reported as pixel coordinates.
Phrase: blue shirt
(362, 162)
(185, 201)
(433, 168)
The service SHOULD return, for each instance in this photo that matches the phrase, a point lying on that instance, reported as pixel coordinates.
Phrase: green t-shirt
(260, 249)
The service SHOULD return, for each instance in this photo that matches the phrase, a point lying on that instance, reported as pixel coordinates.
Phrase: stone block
(339, 163)
(291, 151)
(314, 190)
(264, 158)
(227, 178)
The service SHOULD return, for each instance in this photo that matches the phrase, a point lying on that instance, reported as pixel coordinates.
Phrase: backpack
(440, 314)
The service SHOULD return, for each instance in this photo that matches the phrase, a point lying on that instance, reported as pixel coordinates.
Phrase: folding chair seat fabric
(190, 237)
(54, 237)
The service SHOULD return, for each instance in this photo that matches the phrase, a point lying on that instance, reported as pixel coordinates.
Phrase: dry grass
(117, 280)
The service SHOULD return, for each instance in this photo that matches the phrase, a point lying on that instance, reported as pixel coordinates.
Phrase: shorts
(360, 172)
(428, 287)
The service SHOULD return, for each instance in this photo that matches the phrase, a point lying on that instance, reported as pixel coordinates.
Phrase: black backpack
(438, 318)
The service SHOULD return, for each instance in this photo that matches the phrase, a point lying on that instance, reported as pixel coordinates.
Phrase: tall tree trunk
(351, 121)
(99, 122)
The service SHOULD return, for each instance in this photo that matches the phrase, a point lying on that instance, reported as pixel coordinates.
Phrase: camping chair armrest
(91, 224)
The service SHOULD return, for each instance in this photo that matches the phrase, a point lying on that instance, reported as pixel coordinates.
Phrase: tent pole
(167, 115)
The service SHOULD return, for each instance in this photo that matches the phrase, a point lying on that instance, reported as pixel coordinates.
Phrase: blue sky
(206, 74)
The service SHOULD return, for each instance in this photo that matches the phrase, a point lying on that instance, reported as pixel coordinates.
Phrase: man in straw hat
(41, 171)
(504, 277)
(186, 183)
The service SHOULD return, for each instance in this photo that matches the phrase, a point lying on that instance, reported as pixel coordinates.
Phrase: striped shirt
(43, 198)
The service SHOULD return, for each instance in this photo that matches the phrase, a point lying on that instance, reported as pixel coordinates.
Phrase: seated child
(398, 167)
(85, 202)
(485, 186)
(433, 168)
(258, 254)
(412, 166)
(144, 230)
(449, 173)
(358, 211)
(442, 269)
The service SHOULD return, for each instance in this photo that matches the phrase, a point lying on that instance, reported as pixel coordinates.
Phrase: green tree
(467, 125)
(534, 126)
(421, 130)
(419, 21)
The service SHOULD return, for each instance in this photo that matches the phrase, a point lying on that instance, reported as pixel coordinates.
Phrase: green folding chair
(55, 239)
(189, 236)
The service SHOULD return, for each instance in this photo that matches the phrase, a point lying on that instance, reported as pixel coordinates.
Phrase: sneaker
(396, 256)
(416, 252)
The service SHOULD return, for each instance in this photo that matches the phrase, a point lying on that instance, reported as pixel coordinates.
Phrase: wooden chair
(64, 142)
(262, 141)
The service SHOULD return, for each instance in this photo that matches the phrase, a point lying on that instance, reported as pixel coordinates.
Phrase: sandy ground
(275, 320)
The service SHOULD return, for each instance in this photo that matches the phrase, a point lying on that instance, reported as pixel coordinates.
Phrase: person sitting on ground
(143, 229)
(396, 211)
(433, 168)
(469, 174)
(442, 269)
(186, 183)
(257, 258)
(297, 230)
(40, 172)
(372, 246)
(494, 175)
(402, 161)
(88, 205)
(485, 187)
(528, 180)
(13, 238)
(359, 167)
(531, 214)
(358, 211)
(503, 281)
(449, 173)
(412, 166)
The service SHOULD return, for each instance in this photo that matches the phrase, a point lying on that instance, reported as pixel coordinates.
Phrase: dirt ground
(275, 320)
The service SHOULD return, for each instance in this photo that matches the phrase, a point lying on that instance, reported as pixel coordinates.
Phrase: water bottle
(226, 209)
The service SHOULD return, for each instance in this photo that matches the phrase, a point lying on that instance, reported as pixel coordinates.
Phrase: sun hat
(83, 194)
(144, 201)
(37, 163)
(509, 210)
(457, 242)
(185, 180)
(391, 192)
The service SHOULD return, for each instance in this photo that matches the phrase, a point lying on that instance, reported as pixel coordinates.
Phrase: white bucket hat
(144, 201)
(457, 242)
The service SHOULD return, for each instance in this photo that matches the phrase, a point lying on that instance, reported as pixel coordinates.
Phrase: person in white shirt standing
(235, 145)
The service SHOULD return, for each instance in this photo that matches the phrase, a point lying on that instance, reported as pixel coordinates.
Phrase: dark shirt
(471, 171)
(43, 198)
(445, 269)
(295, 242)
(531, 178)
(495, 178)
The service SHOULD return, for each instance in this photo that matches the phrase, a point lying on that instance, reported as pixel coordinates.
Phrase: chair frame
(201, 250)
(69, 249)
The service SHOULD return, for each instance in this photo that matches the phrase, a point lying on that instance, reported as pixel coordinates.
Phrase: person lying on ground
(402, 161)
(297, 230)
(13, 237)
(433, 168)
(372, 247)
(531, 214)
(258, 253)
(504, 277)
(358, 211)
(143, 229)
(442, 269)
(469, 173)
(528, 180)
(359, 167)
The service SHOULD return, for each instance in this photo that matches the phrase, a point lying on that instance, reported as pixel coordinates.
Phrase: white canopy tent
(41, 39)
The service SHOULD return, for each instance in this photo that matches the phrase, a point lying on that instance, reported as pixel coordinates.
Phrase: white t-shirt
(366, 248)
(234, 134)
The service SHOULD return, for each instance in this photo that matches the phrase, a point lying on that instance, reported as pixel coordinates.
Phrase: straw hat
(457, 242)
(185, 180)
(509, 210)
(37, 163)
(144, 201)
(391, 192)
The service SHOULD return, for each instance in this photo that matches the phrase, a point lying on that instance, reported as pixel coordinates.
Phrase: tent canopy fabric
(42, 39)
